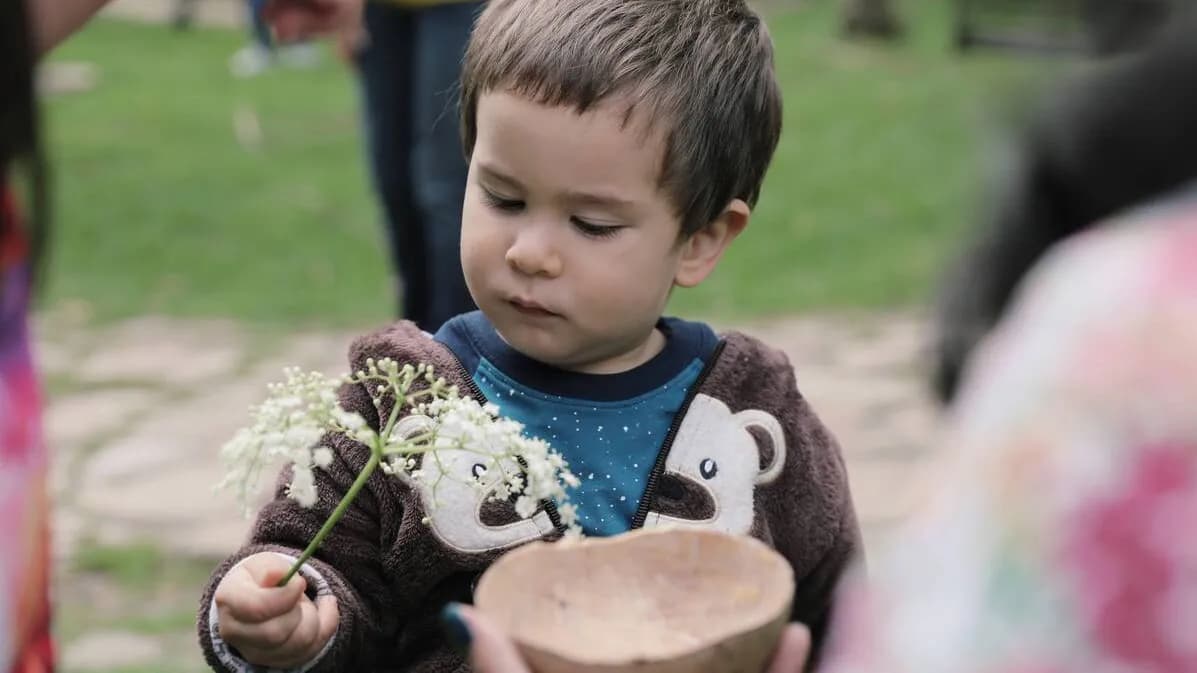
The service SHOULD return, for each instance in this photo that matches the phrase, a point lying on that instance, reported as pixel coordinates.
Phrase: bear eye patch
(479, 470)
(708, 468)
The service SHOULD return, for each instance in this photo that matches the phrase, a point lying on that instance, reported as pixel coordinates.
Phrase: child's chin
(533, 341)
(542, 352)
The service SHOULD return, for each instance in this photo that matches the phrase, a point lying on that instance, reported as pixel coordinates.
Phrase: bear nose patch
(497, 513)
(683, 498)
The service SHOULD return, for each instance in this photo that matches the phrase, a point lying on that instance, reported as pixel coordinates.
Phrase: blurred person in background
(28, 30)
(409, 62)
(256, 57)
(1118, 26)
(182, 14)
(1060, 538)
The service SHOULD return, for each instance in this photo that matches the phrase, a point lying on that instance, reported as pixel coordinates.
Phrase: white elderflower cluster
(512, 465)
(421, 417)
(285, 429)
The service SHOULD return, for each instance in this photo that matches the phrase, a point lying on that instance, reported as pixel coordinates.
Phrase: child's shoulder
(745, 359)
(751, 374)
(742, 345)
(744, 350)
(403, 342)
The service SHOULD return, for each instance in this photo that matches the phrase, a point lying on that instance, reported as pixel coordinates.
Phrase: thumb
(271, 577)
(491, 651)
(792, 650)
(258, 598)
(267, 571)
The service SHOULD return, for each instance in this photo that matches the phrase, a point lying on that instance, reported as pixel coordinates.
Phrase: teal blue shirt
(610, 427)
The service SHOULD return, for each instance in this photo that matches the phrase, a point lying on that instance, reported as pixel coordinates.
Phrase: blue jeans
(409, 75)
(258, 26)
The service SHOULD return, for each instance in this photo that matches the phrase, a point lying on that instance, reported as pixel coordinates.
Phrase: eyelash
(594, 230)
(501, 204)
(514, 206)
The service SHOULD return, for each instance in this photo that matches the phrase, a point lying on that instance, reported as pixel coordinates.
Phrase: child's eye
(595, 230)
(499, 203)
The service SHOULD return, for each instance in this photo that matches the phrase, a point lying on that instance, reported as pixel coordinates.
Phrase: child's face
(568, 244)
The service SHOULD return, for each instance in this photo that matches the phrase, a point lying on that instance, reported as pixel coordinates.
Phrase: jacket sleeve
(824, 516)
(348, 564)
(814, 598)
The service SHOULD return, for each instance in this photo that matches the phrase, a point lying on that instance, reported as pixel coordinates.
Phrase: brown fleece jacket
(746, 455)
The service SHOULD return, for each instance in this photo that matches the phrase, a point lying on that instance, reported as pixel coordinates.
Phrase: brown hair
(704, 67)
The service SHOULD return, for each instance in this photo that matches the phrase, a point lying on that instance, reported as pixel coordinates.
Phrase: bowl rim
(781, 605)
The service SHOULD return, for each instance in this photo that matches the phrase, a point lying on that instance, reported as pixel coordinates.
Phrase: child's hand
(279, 627)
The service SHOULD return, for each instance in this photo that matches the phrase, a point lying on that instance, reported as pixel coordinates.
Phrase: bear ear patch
(683, 498)
(764, 443)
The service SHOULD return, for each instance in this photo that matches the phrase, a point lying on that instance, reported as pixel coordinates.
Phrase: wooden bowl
(649, 601)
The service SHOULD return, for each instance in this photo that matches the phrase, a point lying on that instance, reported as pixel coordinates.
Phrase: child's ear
(701, 252)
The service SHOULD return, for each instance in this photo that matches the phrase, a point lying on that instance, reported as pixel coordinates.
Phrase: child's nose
(532, 253)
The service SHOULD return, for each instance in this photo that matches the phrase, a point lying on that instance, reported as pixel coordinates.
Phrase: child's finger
(260, 640)
(267, 570)
(305, 642)
(317, 626)
(792, 651)
(243, 597)
(268, 577)
(491, 651)
(330, 616)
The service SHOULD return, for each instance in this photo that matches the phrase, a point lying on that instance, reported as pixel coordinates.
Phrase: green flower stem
(358, 484)
(362, 478)
(386, 431)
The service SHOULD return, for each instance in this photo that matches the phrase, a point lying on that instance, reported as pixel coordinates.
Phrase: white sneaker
(300, 55)
(250, 61)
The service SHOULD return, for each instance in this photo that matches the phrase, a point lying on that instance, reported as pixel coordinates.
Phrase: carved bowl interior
(659, 601)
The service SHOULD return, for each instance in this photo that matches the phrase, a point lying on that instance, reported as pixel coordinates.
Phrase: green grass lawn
(160, 209)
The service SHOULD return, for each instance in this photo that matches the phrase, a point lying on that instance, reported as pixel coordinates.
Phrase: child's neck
(618, 363)
(628, 360)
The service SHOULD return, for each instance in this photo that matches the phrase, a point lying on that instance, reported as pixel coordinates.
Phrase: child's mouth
(531, 308)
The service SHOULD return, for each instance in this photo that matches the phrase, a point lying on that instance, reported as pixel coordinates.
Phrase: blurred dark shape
(182, 15)
(1117, 137)
(1100, 27)
(21, 131)
(874, 19)
(1116, 26)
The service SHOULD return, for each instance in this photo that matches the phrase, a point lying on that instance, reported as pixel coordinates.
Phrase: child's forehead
(577, 155)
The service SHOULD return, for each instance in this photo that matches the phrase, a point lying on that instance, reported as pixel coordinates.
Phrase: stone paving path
(138, 410)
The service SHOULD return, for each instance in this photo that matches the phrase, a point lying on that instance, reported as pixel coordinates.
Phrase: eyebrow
(600, 200)
(575, 197)
(495, 174)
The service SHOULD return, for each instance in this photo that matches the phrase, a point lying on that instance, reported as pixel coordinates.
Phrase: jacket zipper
(550, 507)
(650, 488)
